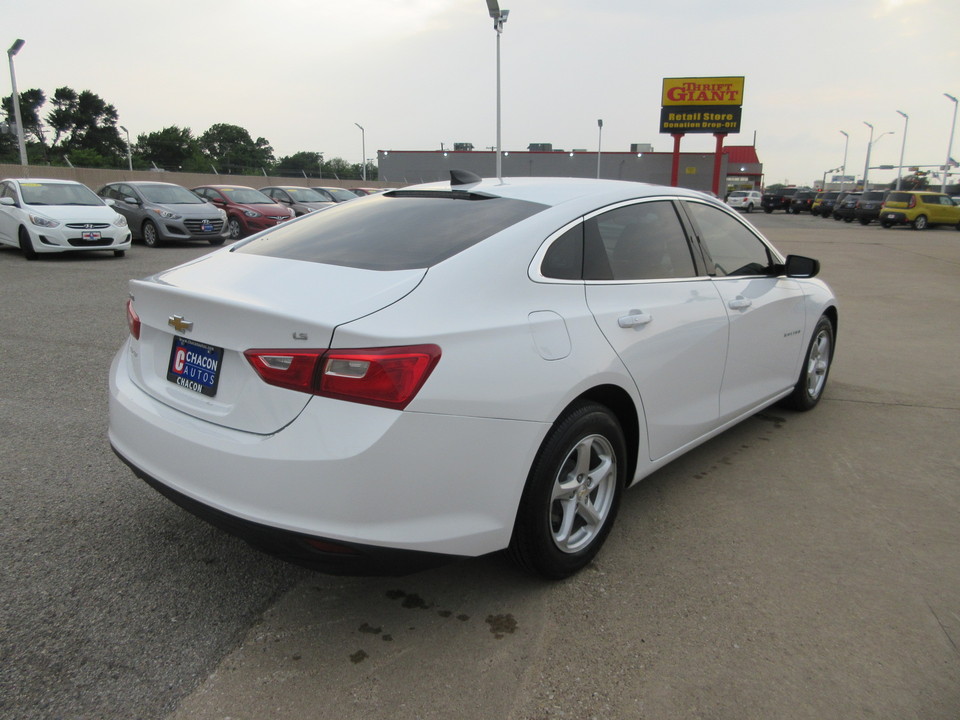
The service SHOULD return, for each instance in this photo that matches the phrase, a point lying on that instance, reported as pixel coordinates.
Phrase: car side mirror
(801, 267)
(9, 201)
(110, 202)
(130, 200)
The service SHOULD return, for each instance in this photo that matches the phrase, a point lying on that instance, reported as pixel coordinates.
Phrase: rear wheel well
(622, 406)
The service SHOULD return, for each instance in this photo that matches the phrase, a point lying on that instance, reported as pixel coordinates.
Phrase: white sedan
(458, 368)
(40, 215)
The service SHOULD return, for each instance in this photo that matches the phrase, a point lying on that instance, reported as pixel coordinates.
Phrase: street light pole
(823, 183)
(843, 170)
(499, 18)
(14, 49)
(363, 147)
(953, 124)
(129, 155)
(866, 167)
(903, 145)
(599, 141)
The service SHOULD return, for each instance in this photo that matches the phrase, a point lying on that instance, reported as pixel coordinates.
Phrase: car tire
(572, 493)
(26, 245)
(920, 223)
(749, 208)
(151, 236)
(119, 253)
(236, 230)
(816, 367)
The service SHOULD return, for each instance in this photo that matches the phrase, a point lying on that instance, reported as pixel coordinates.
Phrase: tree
(303, 162)
(338, 168)
(232, 148)
(919, 180)
(172, 148)
(85, 121)
(30, 103)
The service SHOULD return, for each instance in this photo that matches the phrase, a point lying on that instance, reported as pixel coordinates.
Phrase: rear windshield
(898, 197)
(872, 196)
(396, 231)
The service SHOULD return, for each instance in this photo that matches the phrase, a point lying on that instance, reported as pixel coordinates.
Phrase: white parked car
(458, 368)
(746, 200)
(39, 216)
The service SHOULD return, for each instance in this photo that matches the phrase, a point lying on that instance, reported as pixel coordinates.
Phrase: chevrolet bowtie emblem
(179, 324)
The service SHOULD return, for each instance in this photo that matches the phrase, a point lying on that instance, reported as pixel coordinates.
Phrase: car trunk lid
(197, 320)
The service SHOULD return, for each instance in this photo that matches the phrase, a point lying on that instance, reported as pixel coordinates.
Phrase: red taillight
(133, 320)
(291, 369)
(387, 377)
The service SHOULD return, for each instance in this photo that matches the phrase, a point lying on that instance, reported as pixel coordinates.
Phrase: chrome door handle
(740, 303)
(634, 319)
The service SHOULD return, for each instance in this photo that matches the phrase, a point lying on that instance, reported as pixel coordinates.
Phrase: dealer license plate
(207, 227)
(195, 366)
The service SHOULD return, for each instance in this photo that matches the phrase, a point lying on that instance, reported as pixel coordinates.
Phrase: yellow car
(919, 209)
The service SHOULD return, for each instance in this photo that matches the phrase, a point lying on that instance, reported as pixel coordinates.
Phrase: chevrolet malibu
(458, 368)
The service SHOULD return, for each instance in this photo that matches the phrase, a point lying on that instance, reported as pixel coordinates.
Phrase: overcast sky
(418, 73)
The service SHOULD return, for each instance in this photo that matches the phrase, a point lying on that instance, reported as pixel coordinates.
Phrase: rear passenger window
(643, 241)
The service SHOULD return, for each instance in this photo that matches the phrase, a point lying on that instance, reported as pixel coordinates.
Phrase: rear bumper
(358, 476)
(325, 555)
(892, 217)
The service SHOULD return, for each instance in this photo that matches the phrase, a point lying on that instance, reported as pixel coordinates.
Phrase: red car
(248, 210)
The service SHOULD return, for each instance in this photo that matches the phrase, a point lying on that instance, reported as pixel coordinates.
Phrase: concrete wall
(696, 169)
(95, 178)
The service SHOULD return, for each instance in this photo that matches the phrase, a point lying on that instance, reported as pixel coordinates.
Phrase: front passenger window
(732, 248)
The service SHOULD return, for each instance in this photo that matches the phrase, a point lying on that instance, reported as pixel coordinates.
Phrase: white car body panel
(768, 313)
(346, 471)
(677, 372)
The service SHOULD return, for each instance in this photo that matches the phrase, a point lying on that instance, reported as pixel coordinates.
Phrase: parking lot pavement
(798, 566)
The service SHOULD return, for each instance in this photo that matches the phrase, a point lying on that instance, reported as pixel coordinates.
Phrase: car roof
(559, 191)
(225, 187)
(138, 183)
(56, 181)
